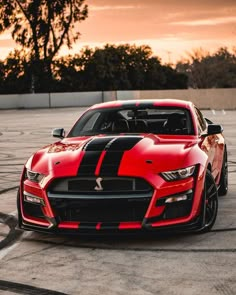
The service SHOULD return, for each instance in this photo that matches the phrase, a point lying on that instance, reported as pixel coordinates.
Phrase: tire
(209, 203)
(223, 184)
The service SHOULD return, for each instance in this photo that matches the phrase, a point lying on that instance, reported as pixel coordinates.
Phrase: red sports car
(127, 166)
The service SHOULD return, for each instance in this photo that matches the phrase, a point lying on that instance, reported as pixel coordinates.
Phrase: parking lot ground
(34, 263)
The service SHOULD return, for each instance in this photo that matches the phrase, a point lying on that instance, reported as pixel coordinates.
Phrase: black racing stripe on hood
(89, 163)
(115, 148)
(114, 154)
(93, 150)
(97, 144)
(124, 143)
(111, 163)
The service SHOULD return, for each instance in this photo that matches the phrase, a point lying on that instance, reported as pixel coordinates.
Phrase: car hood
(115, 155)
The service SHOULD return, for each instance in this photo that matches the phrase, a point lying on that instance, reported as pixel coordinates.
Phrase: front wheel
(209, 203)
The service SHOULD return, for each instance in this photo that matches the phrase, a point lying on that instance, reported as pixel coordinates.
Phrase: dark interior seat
(138, 125)
(141, 126)
(120, 126)
(174, 123)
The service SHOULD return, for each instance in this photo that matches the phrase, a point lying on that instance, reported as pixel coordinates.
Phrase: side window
(89, 125)
(85, 124)
(201, 121)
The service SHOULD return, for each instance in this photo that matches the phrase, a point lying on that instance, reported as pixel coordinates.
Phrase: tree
(2, 74)
(205, 70)
(14, 73)
(116, 67)
(42, 27)
(113, 67)
(107, 69)
(69, 72)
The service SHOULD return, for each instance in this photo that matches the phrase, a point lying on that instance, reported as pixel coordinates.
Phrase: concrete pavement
(33, 263)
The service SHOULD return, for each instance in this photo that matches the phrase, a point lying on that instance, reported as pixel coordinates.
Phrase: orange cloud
(170, 27)
(207, 22)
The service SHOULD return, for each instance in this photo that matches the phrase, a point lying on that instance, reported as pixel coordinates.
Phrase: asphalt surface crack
(5, 190)
(13, 233)
(26, 289)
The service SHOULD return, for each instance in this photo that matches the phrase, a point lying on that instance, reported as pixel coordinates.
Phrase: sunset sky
(170, 27)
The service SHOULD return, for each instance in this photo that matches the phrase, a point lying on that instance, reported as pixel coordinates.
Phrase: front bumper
(182, 216)
(192, 226)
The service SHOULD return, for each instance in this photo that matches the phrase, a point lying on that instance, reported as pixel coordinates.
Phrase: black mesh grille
(121, 199)
(110, 210)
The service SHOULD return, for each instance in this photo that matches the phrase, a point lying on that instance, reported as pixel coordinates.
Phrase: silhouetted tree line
(122, 67)
(210, 70)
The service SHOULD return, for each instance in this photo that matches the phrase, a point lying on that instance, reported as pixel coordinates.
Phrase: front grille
(120, 199)
(102, 210)
(108, 184)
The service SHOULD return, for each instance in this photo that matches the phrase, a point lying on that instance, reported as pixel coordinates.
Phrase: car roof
(144, 103)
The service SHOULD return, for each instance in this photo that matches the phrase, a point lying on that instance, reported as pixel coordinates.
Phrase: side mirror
(58, 132)
(214, 129)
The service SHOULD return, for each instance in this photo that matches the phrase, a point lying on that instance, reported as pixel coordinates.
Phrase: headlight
(34, 176)
(178, 174)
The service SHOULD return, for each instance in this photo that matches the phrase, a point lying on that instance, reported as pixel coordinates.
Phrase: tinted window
(156, 120)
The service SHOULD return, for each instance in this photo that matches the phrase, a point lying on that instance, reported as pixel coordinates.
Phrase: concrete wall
(15, 101)
(224, 98)
(77, 99)
(203, 98)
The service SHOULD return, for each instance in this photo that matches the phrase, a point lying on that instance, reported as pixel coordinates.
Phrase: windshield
(132, 120)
